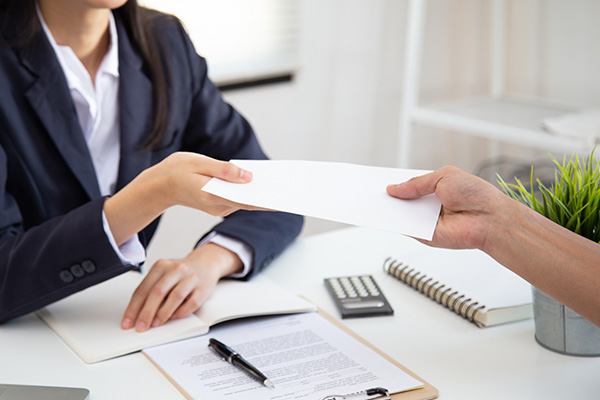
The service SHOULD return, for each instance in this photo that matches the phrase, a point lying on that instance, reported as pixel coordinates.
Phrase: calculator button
(370, 285)
(364, 304)
(337, 288)
(358, 285)
(348, 287)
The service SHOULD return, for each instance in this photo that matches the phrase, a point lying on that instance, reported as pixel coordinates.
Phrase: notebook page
(472, 273)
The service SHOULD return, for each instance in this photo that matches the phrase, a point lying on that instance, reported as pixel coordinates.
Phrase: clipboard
(424, 392)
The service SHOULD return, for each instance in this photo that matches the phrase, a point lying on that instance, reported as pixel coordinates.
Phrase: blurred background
(491, 86)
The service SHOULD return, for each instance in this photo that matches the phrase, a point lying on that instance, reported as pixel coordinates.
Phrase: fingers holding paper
(177, 180)
(468, 205)
(189, 172)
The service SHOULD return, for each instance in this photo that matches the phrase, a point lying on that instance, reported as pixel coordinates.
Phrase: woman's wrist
(222, 261)
(135, 206)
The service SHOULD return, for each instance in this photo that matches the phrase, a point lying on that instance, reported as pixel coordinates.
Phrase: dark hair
(138, 22)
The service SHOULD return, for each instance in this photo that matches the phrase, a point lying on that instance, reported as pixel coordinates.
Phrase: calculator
(358, 296)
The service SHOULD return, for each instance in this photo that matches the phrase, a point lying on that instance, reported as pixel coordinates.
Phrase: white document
(305, 356)
(348, 193)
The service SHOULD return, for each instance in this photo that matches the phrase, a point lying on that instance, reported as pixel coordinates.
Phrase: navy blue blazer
(52, 242)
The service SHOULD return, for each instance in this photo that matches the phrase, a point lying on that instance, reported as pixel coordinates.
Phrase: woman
(107, 118)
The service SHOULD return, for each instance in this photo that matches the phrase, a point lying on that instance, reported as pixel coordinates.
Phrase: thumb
(415, 187)
(233, 173)
(224, 170)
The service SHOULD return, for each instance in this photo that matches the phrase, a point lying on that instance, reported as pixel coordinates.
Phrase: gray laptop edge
(28, 392)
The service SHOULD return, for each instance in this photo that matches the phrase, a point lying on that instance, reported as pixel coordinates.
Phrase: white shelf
(497, 117)
(503, 119)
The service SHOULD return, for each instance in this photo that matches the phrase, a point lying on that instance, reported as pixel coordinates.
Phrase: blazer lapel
(135, 96)
(51, 100)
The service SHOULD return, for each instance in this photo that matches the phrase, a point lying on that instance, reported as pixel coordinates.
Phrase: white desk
(461, 360)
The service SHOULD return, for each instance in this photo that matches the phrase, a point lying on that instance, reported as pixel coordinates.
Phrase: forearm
(555, 260)
(132, 208)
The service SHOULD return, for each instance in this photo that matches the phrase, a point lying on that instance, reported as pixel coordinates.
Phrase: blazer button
(88, 266)
(66, 276)
(77, 271)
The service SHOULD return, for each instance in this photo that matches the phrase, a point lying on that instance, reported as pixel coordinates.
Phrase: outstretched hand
(177, 180)
(468, 205)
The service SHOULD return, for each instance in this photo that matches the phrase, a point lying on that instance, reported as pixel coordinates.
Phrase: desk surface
(462, 361)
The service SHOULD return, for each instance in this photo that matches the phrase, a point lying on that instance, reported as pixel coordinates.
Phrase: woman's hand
(176, 288)
(182, 176)
(177, 180)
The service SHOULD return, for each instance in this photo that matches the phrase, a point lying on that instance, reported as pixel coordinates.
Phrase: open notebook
(90, 321)
(468, 282)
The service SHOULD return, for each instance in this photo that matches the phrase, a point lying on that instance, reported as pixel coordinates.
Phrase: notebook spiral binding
(435, 290)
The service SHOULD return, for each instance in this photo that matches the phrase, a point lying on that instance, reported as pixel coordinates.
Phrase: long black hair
(138, 23)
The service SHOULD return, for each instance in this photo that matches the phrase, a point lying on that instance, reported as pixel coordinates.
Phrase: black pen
(231, 356)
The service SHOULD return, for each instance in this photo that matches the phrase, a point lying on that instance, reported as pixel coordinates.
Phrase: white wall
(343, 104)
(551, 53)
(568, 55)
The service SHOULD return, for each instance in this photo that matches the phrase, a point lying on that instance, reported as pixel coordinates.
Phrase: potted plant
(572, 201)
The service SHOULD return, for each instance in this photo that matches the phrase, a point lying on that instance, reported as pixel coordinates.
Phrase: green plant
(573, 199)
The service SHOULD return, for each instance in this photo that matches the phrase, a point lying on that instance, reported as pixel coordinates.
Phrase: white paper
(348, 193)
(305, 356)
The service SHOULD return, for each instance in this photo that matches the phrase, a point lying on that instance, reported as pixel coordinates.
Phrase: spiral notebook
(467, 282)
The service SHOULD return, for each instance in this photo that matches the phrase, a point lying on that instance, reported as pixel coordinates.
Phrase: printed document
(305, 356)
(347, 193)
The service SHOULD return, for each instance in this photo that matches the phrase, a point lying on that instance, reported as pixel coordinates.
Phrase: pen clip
(379, 392)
